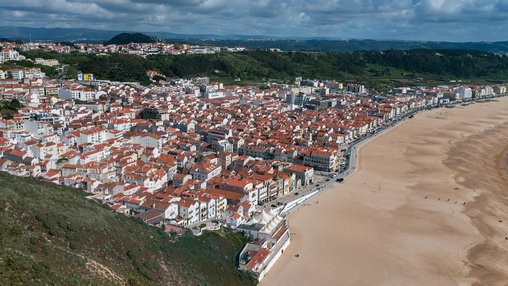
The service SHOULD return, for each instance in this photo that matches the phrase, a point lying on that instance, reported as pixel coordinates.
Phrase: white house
(204, 171)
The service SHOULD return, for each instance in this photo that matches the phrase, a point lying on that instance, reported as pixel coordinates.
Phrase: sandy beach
(428, 205)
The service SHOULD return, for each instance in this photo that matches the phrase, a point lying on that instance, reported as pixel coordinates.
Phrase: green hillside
(390, 68)
(53, 235)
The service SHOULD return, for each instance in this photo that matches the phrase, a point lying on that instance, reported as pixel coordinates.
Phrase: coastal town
(192, 154)
(139, 49)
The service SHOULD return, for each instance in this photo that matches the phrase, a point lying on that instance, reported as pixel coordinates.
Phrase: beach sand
(428, 205)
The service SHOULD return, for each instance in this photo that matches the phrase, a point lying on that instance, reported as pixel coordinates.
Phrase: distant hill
(250, 41)
(332, 45)
(127, 38)
(53, 235)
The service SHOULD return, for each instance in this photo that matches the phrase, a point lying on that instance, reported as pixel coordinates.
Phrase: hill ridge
(129, 38)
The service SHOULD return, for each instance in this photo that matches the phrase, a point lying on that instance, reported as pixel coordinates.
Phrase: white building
(46, 62)
(91, 136)
(271, 232)
(16, 74)
(204, 171)
(80, 93)
(486, 91)
(188, 210)
(464, 93)
(19, 74)
(8, 54)
(214, 94)
(148, 140)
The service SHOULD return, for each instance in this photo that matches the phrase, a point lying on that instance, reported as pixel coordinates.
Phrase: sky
(427, 20)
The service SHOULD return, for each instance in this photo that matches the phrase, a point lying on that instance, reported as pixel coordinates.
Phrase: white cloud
(388, 19)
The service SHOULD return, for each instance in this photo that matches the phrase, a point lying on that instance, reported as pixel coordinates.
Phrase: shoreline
(419, 244)
(488, 257)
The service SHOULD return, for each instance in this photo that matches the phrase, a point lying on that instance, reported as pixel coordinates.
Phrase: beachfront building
(322, 160)
(486, 91)
(270, 236)
(303, 174)
(500, 89)
(464, 93)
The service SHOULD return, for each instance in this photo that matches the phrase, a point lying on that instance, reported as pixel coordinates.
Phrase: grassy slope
(53, 235)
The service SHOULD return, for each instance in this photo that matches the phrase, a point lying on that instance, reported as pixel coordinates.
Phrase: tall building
(464, 93)
(293, 99)
(300, 99)
(290, 98)
(486, 91)
(356, 88)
